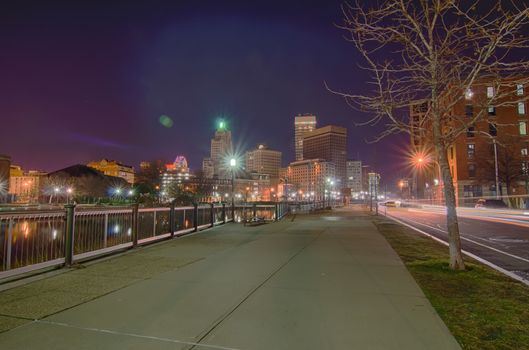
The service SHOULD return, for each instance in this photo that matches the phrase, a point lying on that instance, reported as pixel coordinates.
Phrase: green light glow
(166, 121)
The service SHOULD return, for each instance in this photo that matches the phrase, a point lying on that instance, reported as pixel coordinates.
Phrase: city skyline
(125, 108)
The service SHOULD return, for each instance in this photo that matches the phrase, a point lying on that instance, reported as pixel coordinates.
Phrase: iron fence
(36, 239)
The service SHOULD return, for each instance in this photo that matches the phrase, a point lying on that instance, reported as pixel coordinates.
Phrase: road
(498, 236)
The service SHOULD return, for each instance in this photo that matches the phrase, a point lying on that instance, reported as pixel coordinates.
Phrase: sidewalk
(318, 282)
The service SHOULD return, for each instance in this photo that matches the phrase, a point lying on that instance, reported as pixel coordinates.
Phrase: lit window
(490, 91)
(525, 170)
(471, 150)
(524, 151)
(469, 94)
(519, 89)
(523, 128)
(521, 108)
(491, 110)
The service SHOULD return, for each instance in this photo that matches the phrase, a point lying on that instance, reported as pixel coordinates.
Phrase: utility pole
(496, 168)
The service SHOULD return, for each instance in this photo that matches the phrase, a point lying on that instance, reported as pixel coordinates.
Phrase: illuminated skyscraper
(303, 124)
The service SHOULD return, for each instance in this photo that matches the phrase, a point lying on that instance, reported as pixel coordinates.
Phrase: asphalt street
(500, 237)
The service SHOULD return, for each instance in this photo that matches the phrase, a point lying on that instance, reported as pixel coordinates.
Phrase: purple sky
(83, 80)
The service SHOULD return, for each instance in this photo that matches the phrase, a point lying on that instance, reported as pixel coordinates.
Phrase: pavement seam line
(101, 330)
(481, 260)
(216, 324)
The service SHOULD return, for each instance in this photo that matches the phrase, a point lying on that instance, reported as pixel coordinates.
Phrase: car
(490, 203)
(391, 204)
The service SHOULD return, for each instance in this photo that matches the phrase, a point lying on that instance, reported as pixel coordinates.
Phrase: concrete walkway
(318, 282)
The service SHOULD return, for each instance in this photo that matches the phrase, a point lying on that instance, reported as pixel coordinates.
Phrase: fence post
(105, 227)
(135, 224)
(195, 216)
(254, 210)
(172, 218)
(223, 213)
(277, 212)
(69, 235)
(212, 215)
(9, 244)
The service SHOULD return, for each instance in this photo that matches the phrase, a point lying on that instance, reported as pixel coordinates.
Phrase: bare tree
(436, 52)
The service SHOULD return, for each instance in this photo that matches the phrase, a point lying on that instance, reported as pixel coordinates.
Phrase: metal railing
(33, 240)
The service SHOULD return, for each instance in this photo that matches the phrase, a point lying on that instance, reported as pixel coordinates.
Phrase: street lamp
(69, 191)
(233, 166)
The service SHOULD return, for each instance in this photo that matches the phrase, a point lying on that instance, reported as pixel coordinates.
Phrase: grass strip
(483, 308)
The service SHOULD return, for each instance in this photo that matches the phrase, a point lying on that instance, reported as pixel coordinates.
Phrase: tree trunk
(454, 240)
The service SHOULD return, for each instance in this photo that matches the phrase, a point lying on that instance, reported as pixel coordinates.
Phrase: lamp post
(233, 165)
(69, 191)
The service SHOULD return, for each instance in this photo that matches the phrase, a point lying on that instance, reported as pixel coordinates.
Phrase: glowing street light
(69, 191)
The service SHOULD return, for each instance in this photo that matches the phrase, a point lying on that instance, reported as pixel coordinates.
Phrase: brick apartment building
(499, 137)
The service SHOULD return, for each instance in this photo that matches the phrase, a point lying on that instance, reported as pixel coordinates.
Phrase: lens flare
(166, 121)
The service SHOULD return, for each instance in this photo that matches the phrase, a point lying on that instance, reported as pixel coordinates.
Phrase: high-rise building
(354, 176)
(221, 147)
(328, 143)
(309, 178)
(263, 160)
(5, 165)
(114, 168)
(303, 124)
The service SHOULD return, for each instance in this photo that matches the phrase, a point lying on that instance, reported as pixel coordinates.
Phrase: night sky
(83, 80)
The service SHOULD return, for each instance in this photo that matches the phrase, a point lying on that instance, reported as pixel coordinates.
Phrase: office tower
(328, 143)
(303, 124)
(263, 160)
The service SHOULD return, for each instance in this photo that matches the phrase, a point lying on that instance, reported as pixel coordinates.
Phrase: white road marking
(472, 241)
(483, 261)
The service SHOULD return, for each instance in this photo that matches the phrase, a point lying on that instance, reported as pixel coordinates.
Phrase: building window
(521, 108)
(471, 150)
(519, 89)
(471, 131)
(471, 170)
(469, 111)
(523, 128)
(524, 150)
(493, 130)
(491, 110)
(525, 168)
(472, 191)
(490, 91)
